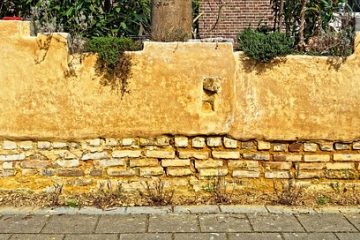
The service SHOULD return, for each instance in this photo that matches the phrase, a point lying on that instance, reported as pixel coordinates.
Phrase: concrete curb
(193, 209)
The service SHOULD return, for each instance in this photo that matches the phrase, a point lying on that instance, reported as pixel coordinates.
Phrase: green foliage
(88, 18)
(321, 36)
(111, 48)
(264, 46)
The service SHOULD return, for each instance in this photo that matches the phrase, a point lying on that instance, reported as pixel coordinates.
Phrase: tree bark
(301, 45)
(171, 20)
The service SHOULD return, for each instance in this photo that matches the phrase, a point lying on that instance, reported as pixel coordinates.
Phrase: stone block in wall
(175, 162)
(68, 163)
(126, 154)
(120, 172)
(327, 147)
(226, 154)
(26, 145)
(356, 145)
(256, 156)
(295, 147)
(249, 145)
(111, 162)
(181, 141)
(8, 165)
(9, 145)
(127, 142)
(277, 165)
(309, 174)
(262, 145)
(214, 141)
(178, 171)
(316, 158)
(198, 142)
(340, 166)
(213, 172)
(66, 154)
(342, 146)
(278, 174)
(311, 166)
(162, 154)
(244, 164)
(239, 173)
(12, 157)
(70, 172)
(143, 142)
(279, 147)
(201, 155)
(95, 156)
(163, 141)
(346, 157)
(287, 157)
(310, 147)
(35, 164)
(144, 162)
(60, 145)
(151, 171)
(230, 143)
(43, 145)
(208, 163)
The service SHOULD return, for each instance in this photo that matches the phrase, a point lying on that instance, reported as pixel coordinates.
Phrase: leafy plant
(264, 46)
(112, 59)
(90, 18)
(110, 48)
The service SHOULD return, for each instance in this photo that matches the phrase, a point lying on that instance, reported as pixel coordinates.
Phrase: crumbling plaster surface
(48, 94)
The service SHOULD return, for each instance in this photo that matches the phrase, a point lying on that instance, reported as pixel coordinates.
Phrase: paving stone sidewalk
(182, 223)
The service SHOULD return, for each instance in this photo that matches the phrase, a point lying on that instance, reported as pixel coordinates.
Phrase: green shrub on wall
(265, 46)
(110, 48)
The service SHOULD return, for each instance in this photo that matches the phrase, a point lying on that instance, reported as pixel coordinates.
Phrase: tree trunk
(301, 45)
(171, 20)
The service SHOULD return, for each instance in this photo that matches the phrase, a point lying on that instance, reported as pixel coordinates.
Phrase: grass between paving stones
(284, 193)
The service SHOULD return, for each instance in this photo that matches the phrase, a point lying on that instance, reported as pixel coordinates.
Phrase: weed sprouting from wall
(156, 194)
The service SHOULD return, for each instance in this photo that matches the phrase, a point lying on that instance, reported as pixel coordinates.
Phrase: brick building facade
(225, 18)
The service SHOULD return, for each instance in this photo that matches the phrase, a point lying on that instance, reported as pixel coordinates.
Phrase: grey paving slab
(197, 209)
(146, 236)
(348, 236)
(290, 210)
(92, 237)
(310, 236)
(200, 236)
(122, 224)
(4, 236)
(224, 223)
(70, 224)
(37, 237)
(325, 223)
(149, 210)
(254, 236)
(243, 209)
(22, 224)
(354, 219)
(173, 223)
(275, 223)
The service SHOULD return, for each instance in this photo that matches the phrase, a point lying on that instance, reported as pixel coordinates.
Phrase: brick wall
(235, 16)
